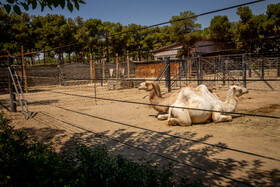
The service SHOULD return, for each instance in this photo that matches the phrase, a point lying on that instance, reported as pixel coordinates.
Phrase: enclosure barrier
(221, 71)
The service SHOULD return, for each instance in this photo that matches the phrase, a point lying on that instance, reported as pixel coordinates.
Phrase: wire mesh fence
(214, 71)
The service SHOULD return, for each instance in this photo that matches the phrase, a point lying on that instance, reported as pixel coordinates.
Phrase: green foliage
(28, 163)
(257, 26)
(254, 66)
(17, 5)
(245, 14)
(187, 25)
(219, 28)
(104, 39)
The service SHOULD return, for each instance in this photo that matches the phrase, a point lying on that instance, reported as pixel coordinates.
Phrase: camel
(201, 98)
(155, 97)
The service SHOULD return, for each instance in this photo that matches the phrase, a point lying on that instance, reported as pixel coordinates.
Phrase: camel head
(151, 87)
(238, 91)
(148, 86)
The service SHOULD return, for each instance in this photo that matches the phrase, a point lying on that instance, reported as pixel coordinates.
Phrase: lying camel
(201, 98)
(156, 98)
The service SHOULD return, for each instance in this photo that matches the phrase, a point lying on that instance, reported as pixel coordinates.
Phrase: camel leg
(182, 118)
(176, 121)
(162, 116)
(173, 121)
(218, 117)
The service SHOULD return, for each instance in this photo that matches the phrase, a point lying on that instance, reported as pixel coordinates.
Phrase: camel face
(238, 91)
(145, 86)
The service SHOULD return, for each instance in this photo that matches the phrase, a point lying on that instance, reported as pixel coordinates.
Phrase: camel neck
(153, 97)
(231, 101)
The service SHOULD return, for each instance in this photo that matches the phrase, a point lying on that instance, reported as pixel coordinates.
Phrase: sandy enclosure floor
(243, 151)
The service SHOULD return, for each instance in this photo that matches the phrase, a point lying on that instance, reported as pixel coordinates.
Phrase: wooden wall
(153, 70)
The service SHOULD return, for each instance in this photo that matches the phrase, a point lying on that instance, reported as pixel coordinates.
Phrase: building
(167, 51)
(199, 48)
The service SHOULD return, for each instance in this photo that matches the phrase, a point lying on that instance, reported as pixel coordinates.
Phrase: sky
(150, 12)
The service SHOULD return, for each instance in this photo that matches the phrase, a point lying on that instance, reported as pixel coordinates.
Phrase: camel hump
(186, 93)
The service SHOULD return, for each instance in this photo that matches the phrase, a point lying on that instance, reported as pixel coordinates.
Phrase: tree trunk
(69, 58)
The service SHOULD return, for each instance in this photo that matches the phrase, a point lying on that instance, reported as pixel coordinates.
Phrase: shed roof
(167, 47)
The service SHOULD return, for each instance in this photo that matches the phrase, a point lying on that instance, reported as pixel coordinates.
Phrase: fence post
(101, 76)
(186, 66)
(217, 69)
(278, 67)
(91, 67)
(117, 66)
(262, 67)
(103, 67)
(94, 71)
(128, 68)
(199, 71)
(167, 74)
(250, 71)
(223, 70)
(61, 80)
(244, 70)
(11, 88)
(24, 70)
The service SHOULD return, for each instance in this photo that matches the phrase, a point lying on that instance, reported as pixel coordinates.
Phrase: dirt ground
(241, 152)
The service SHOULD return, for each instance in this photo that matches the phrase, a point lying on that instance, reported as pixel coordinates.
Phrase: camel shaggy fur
(201, 98)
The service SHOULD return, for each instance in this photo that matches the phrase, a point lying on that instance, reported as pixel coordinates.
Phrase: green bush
(254, 66)
(26, 163)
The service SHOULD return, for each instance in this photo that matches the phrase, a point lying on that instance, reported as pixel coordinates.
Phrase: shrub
(26, 163)
(254, 66)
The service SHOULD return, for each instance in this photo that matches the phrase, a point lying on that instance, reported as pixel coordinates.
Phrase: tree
(219, 28)
(5, 36)
(67, 38)
(245, 14)
(182, 29)
(117, 40)
(133, 39)
(185, 26)
(246, 29)
(269, 26)
(17, 5)
(273, 14)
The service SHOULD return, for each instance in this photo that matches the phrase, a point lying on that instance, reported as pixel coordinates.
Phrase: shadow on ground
(189, 158)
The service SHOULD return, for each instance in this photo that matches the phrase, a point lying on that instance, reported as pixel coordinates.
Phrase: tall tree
(182, 29)
(185, 26)
(6, 35)
(219, 28)
(273, 14)
(246, 29)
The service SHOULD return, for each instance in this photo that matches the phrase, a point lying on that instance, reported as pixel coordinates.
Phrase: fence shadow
(43, 102)
(189, 158)
(43, 135)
